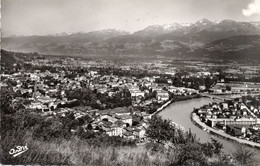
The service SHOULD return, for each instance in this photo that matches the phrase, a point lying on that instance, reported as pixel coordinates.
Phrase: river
(179, 112)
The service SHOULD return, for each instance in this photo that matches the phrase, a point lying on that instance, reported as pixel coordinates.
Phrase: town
(118, 106)
(238, 117)
(118, 99)
(114, 102)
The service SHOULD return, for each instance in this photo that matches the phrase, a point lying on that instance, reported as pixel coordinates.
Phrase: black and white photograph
(130, 82)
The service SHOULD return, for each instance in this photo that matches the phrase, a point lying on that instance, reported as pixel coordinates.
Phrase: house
(242, 106)
(120, 123)
(202, 87)
(169, 81)
(139, 133)
(108, 117)
(162, 95)
(208, 114)
(202, 110)
(126, 119)
(118, 111)
(155, 87)
(116, 130)
(136, 93)
(172, 89)
(106, 127)
(128, 135)
(224, 105)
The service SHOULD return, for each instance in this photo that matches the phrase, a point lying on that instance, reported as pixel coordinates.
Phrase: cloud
(252, 8)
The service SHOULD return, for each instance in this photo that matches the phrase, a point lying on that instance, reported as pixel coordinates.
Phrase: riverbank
(220, 133)
(162, 107)
(174, 100)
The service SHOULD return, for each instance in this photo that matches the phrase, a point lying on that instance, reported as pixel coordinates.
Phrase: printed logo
(18, 150)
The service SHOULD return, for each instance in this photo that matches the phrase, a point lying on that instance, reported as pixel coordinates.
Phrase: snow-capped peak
(63, 34)
(109, 31)
(167, 26)
(112, 30)
(172, 26)
(203, 22)
(185, 24)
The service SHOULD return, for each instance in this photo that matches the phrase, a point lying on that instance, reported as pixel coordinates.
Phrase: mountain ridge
(168, 39)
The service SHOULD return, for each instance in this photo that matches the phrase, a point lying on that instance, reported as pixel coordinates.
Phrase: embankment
(175, 100)
(220, 133)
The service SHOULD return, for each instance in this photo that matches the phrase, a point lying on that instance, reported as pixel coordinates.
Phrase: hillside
(7, 57)
(241, 48)
(10, 59)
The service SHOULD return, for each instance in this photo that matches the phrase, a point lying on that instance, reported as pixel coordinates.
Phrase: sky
(42, 17)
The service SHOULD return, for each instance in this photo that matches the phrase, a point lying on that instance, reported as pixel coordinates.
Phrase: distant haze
(42, 17)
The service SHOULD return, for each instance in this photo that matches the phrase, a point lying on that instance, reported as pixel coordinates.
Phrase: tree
(223, 160)
(6, 98)
(18, 104)
(160, 130)
(244, 156)
(191, 154)
(209, 82)
(51, 129)
(228, 88)
(217, 146)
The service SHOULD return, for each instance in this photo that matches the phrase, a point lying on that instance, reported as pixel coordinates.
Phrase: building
(162, 95)
(126, 119)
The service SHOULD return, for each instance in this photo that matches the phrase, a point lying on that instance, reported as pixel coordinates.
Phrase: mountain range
(203, 38)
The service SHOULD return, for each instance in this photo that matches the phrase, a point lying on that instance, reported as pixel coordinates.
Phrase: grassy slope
(78, 152)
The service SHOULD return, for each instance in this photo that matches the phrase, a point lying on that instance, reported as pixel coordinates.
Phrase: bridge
(224, 97)
(218, 97)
